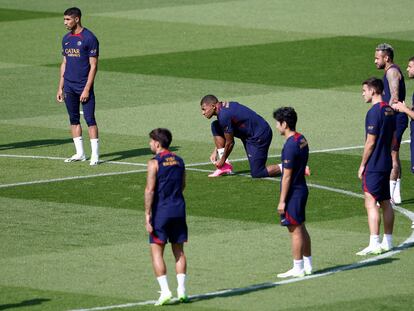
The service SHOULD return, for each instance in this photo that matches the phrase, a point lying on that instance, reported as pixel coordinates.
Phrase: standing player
(80, 50)
(236, 120)
(294, 191)
(394, 91)
(165, 212)
(376, 166)
(401, 107)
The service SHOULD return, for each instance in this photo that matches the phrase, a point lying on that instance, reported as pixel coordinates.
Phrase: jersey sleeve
(290, 152)
(372, 123)
(93, 47)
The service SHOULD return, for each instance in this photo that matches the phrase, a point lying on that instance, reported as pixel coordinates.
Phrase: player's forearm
(62, 73)
(91, 77)
(148, 201)
(286, 180)
(368, 149)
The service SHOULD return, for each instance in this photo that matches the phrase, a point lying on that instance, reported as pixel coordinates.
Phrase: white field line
(44, 181)
(409, 242)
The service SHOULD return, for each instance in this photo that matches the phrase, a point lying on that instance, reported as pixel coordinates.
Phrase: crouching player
(165, 217)
(376, 165)
(294, 191)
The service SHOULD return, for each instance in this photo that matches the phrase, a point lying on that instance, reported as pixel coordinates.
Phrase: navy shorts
(401, 125)
(377, 184)
(294, 210)
(173, 230)
(72, 93)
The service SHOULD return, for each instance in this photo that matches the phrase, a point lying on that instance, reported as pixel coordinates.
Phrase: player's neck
(289, 133)
(161, 150)
(387, 66)
(376, 99)
(77, 30)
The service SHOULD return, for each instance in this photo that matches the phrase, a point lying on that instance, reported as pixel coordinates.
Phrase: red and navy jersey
(295, 154)
(77, 48)
(168, 197)
(401, 86)
(380, 121)
(241, 121)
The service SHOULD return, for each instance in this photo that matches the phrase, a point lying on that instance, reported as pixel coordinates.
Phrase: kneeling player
(165, 217)
(294, 191)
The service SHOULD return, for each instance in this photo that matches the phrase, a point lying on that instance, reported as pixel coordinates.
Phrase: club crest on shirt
(79, 43)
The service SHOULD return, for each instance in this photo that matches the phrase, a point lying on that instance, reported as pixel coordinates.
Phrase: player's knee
(262, 173)
(74, 119)
(90, 120)
(216, 129)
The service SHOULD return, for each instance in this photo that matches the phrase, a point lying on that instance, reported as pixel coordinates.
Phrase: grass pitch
(81, 243)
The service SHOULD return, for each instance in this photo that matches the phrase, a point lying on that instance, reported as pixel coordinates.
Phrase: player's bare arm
(393, 77)
(59, 95)
(228, 147)
(286, 181)
(149, 192)
(402, 107)
(93, 61)
(368, 149)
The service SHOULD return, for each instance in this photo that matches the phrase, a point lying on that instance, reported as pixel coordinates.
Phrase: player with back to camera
(165, 215)
(80, 50)
(376, 165)
(394, 91)
(294, 191)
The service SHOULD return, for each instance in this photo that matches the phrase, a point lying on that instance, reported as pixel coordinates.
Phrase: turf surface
(81, 243)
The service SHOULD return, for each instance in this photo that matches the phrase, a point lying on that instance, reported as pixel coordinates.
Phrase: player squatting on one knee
(165, 213)
(80, 50)
(236, 120)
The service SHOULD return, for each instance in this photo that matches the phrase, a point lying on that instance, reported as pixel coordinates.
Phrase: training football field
(73, 237)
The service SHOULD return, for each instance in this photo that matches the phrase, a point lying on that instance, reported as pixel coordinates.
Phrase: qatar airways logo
(72, 52)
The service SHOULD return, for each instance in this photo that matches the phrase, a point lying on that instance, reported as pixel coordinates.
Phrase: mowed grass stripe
(318, 63)
(7, 15)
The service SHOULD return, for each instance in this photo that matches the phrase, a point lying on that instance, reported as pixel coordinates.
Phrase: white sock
(393, 183)
(79, 145)
(397, 186)
(280, 167)
(220, 153)
(95, 148)
(181, 281)
(298, 264)
(374, 240)
(162, 280)
(307, 262)
(387, 238)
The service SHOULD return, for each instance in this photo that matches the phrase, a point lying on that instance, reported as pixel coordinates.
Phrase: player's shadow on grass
(24, 303)
(40, 143)
(131, 153)
(407, 201)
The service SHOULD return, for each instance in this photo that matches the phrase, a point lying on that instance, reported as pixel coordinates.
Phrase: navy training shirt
(240, 120)
(380, 121)
(295, 154)
(168, 197)
(77, 48)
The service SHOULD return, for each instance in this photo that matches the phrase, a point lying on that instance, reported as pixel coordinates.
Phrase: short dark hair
(161, 135)
(386, 49)
(288, 115)
(374, 83)
(209, 99)
(411, 59)
(73, 12)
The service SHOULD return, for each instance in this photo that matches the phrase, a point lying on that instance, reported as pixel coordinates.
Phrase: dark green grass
(206, 196)
(318, 63)
(7, 15)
